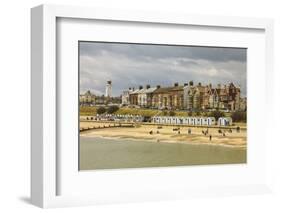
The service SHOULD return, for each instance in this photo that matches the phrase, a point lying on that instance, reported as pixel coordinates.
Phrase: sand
(166, 134)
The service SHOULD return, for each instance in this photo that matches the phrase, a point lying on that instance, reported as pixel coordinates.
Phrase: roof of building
(149, 90)
(87, 93)
(168, 89)
(135, 91)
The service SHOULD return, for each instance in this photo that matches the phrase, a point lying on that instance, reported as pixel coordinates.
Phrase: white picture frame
(44, 84)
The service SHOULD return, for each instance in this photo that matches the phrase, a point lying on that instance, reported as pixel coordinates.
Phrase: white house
(126, 97)
(145, 96)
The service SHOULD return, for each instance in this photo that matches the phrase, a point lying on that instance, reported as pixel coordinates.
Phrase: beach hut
(192, 121)
(156, 120)
(206, 121)
(224, 121)
(163, 120)
(197, 121)
(173, 120)
(211, 121)
(168, 120)
(180, 120)
(203, 121)
(185, 120)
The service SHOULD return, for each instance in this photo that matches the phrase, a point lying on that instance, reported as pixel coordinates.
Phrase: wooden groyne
(107, 126)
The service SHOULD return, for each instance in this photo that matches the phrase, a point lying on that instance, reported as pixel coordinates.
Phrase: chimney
(191, 83)
(129, 88)
(185, 84)
(140, 87)
(158, 86)
(176, 84)
(199, 84)
(147, 86)
(133, 88)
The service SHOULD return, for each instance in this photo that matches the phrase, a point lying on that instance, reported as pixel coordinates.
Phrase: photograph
(161, 105)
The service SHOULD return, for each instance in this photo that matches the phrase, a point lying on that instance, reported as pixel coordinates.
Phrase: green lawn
(88, 111)
(92, 111)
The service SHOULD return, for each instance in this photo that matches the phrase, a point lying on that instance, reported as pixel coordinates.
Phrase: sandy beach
(166, 134)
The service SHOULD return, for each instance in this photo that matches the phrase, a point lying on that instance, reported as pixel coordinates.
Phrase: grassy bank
(88, 111)
(92, 111)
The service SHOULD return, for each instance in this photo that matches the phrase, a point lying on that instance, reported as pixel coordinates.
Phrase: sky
(132, 65)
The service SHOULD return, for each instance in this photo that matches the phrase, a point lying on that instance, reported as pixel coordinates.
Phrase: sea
(116, 153)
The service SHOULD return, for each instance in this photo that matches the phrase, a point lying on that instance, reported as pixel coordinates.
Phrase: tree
(198, 113)
(205, 114)
(101, 110)
(172, 113)
(165, 113)
(217, 114)
(112, 109)
(239, 116)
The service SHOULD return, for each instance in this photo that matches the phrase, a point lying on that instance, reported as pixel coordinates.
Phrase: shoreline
(169, 134)
(163, 141)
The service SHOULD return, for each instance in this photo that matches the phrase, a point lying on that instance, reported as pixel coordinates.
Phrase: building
(145, 96)
(226, 97)
(108, 89)
(133, 96)
(194, 96)
(187, 97)
(168, 97)
(87, 99)
(125, 98)
(243, 104)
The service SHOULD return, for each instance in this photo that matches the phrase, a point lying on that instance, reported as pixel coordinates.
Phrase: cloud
(131, 65)
(164, 51)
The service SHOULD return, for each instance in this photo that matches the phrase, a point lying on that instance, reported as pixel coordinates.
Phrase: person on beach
(179, 132)
(238, 129)
(151, 132)
(210, 137)
(189, 131)
(206, 132)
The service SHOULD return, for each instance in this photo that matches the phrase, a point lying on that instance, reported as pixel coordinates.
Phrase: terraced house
(206, 97)
(168, 97)
(145, 96)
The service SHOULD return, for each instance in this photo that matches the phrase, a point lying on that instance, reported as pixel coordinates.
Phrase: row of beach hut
(117, 117)
(174, 120)
(200, 121)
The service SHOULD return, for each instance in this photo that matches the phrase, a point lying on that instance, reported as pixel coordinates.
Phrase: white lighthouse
(108, 89)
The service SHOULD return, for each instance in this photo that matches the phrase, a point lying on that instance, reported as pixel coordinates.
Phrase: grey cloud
(164, 51)
(132, 65)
